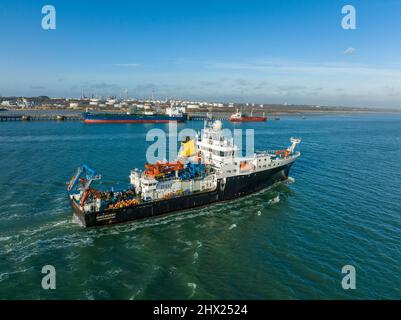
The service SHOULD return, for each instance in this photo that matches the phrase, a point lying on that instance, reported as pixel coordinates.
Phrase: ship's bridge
(216, 149)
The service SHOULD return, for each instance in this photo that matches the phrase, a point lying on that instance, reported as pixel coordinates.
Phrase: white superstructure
(219, 157)
(175, 111)
(222, 154)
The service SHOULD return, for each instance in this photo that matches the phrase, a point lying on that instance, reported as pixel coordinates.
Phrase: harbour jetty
(52, 116)
(40, 117)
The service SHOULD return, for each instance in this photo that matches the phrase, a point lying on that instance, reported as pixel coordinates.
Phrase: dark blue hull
(131, 118)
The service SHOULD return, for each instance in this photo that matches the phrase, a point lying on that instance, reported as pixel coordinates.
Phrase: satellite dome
(217, 125)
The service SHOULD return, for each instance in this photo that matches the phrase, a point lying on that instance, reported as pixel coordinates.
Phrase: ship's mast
(294, 142)
(209, 119)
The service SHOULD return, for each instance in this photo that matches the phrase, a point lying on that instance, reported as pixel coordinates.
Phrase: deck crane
(85, 175)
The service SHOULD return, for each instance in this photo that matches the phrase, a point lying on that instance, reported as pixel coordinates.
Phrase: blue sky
(243, 51)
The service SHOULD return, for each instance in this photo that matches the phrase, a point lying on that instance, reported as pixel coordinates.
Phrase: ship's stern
(78, 212)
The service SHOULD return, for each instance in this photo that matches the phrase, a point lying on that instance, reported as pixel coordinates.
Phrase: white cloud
(292, 69)
(362, 84)
(126, 64)
(349, 51)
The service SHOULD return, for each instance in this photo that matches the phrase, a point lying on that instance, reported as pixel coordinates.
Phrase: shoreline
(268, 113)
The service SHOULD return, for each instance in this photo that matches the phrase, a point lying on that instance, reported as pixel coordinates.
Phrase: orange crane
(85, 195)
(159, 169)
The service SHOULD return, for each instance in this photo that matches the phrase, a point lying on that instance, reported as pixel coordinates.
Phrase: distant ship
(208, 169)
(171, 115)
(240, 117)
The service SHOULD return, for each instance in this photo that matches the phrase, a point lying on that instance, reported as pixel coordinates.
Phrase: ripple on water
(193, 286)
(342, 207)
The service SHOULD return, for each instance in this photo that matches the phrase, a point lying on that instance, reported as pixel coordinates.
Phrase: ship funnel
(188, 148)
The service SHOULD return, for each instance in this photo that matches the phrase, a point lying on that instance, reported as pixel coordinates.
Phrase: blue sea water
(291, 242)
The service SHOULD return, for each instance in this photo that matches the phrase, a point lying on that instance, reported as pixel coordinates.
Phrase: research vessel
(208, 169)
